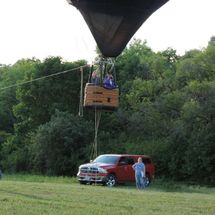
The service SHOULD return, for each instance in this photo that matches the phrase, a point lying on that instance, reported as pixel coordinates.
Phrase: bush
(60, 145)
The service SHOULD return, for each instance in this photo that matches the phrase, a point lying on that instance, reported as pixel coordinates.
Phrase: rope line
(47, 76)
(97, 122)
(94, 147)
(80, 112)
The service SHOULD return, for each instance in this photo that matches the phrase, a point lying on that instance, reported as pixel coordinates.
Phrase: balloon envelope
(114, 22)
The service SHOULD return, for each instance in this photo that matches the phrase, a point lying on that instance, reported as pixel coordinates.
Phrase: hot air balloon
(112, 24)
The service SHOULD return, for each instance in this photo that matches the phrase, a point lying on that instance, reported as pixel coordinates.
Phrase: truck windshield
(106, 159)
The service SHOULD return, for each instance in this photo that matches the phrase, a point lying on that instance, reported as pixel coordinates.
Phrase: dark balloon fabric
(114, 22)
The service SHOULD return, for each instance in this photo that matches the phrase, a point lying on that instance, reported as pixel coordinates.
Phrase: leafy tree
(10, 76)
(40, 99)
(211, 41)
(60, 145)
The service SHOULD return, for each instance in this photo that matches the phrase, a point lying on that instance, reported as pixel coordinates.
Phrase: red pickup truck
(110, 169)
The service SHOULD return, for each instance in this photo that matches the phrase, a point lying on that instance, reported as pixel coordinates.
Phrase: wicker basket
(100, 97)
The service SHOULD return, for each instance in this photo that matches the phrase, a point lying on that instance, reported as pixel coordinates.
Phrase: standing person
(109, 82)
(94, 77)
(139, 169)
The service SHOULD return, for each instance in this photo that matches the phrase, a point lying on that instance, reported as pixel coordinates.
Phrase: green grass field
(37, 195)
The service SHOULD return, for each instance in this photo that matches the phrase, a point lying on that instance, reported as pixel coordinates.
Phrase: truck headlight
(101, 170)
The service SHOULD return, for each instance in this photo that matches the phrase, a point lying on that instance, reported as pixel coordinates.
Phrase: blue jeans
(139, 181)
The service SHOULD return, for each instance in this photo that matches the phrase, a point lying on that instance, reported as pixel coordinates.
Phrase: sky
(43, 28)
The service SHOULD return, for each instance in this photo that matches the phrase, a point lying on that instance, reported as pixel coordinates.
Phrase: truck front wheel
(110, 180)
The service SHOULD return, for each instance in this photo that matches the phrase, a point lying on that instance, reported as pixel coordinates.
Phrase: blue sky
(45, 28)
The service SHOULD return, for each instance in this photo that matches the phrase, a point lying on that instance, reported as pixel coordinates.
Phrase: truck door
(125, 170)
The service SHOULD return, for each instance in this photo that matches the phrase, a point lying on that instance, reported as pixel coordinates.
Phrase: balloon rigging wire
(43, 77)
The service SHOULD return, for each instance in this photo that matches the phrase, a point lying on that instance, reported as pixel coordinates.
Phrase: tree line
(167, 110)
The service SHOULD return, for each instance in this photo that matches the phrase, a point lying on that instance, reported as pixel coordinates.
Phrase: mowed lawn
(59, 197)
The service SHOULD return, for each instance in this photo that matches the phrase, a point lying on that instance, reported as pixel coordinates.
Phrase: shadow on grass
(24, 195)
(172, 186)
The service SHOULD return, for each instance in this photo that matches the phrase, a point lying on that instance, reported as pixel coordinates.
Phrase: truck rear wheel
(147, 180)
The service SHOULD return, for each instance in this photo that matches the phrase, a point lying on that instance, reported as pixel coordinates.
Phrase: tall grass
(39, 178)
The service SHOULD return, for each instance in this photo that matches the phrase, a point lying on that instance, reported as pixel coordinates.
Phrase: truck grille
(89, 170)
